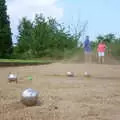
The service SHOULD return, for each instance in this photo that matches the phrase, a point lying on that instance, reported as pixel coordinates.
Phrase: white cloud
(20, 8)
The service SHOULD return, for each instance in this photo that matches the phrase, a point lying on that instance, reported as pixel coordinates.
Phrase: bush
(115, 50)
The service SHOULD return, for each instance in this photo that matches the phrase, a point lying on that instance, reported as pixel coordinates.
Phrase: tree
(100, 38)
(5, 31)
(44, 37)
(25, 35)
(109, 38)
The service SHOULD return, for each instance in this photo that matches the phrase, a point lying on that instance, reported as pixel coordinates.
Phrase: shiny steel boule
(12, 78)
(70, 74)
(29, 97)
(86, 74)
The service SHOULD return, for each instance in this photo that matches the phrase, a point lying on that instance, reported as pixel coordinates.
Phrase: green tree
(40, 36)
(109, 38)
(44, 37)
(5, 31)
(100, 38)
(25, 36)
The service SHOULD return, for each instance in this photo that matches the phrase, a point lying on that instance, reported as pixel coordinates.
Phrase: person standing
(101, 51)
(87, 49)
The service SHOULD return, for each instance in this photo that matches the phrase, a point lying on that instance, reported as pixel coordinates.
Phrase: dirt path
(61, 97)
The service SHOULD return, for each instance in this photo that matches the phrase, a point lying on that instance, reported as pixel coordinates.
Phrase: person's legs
(99, 57)
(86, 57)
(103, 59)
(90, 57)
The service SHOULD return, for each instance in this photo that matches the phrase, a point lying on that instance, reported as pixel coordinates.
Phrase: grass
(24, 61)
(13, 62)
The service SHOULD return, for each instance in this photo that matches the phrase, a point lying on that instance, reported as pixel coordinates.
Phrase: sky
(100, 16)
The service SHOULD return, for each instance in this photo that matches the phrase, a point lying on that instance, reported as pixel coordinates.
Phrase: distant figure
(101, 51)
(87, 49)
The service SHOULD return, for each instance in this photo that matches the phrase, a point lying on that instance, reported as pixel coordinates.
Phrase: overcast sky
(102, 15)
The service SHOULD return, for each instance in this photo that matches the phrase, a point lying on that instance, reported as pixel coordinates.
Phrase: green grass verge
(14, 62)
(25, 61)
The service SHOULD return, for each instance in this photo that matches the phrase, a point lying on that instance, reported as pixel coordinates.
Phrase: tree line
(44, 37)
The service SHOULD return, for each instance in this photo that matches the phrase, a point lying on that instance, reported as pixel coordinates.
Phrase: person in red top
(101, 51)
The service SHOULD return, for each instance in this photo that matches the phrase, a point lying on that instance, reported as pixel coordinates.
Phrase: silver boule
(70, 74)
(29, 97)
(12, 78)
(86, 74)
